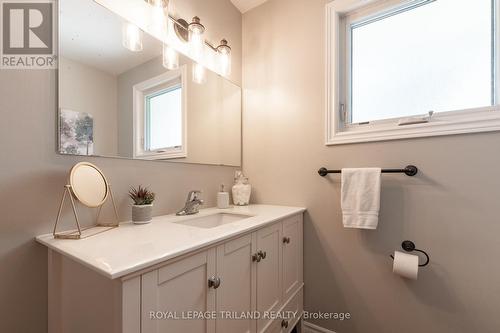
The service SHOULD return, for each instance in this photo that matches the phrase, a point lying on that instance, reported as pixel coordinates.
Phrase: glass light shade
(196, 38)
(159, 3)
(132, 37)
(199, 73)
(170, 57)
(160, 15)
(224, 53)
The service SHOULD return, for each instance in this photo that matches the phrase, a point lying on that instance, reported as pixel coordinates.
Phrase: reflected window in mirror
(164, 120)
(160, 113)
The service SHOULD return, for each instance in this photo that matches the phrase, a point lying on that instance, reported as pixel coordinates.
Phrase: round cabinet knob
(286, 240)
(262, 254)
(256, 257)
(214, 282)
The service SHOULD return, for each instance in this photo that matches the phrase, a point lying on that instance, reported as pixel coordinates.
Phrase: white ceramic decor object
(241, 190)
(88, 184)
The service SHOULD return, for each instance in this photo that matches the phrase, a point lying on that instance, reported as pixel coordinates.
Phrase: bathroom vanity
(236, 270)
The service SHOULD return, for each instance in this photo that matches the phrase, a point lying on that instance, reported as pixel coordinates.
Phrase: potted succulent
(142, 210)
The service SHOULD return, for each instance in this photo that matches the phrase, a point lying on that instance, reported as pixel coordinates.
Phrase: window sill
(470, 122)
(161, 156)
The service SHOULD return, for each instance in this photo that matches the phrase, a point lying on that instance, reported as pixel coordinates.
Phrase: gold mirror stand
(78, 233)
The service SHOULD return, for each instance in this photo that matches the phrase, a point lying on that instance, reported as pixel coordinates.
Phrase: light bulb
(224, 52)
(196, 38)
(170, 58)
(199, 73)
(132, 37)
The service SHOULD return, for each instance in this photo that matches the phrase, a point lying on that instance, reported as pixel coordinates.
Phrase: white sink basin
(213, 221)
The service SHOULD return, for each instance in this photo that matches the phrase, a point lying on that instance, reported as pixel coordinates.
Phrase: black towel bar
(409, 170)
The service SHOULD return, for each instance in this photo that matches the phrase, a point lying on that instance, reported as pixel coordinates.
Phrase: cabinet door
(292, 255)
(179, 289)
(269, 279)
(236, 293)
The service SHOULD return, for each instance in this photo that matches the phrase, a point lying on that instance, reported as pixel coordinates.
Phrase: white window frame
(486, 119)
(139, 116)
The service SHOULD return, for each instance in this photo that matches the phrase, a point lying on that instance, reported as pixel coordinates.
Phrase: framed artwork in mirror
(76, 133)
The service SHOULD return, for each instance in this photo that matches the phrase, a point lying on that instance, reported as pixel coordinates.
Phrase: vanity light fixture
(224, 52)
(199, 73)
(170, 57)
(192, 33)
(132, 37)
(196, 40)
(181, 29)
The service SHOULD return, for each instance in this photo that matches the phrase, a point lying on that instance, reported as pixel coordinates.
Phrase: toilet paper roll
(406, 265)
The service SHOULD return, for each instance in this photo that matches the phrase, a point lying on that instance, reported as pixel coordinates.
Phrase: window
(159, 117)
(399, 69)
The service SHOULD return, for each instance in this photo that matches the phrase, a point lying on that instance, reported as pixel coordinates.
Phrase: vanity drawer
(295, 307)
(291, 313)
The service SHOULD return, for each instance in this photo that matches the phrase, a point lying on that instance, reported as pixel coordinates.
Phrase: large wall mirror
(114, 102)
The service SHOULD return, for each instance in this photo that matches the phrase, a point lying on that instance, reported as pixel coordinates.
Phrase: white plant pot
(142, 214)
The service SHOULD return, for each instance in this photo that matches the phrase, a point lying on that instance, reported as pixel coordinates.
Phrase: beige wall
(449, 209)
(32, 176)
(87, 89)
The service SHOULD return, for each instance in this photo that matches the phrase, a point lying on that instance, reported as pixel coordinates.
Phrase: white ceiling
(246, 5)
(92, 35)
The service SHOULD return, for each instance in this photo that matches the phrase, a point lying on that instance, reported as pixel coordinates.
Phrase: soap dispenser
(222, 198)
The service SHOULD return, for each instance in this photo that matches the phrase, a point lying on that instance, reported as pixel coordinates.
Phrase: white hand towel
(360, 200)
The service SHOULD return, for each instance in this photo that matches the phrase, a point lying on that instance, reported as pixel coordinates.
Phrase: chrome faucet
(193, 203)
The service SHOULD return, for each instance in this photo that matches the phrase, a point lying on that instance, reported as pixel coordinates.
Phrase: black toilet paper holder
(409, 246)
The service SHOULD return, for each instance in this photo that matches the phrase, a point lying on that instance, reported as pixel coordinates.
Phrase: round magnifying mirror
(88, 184)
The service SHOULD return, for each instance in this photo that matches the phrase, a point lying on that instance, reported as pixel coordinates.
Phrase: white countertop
(130, 248)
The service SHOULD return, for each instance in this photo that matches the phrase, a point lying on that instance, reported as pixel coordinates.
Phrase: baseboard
(311, 328)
